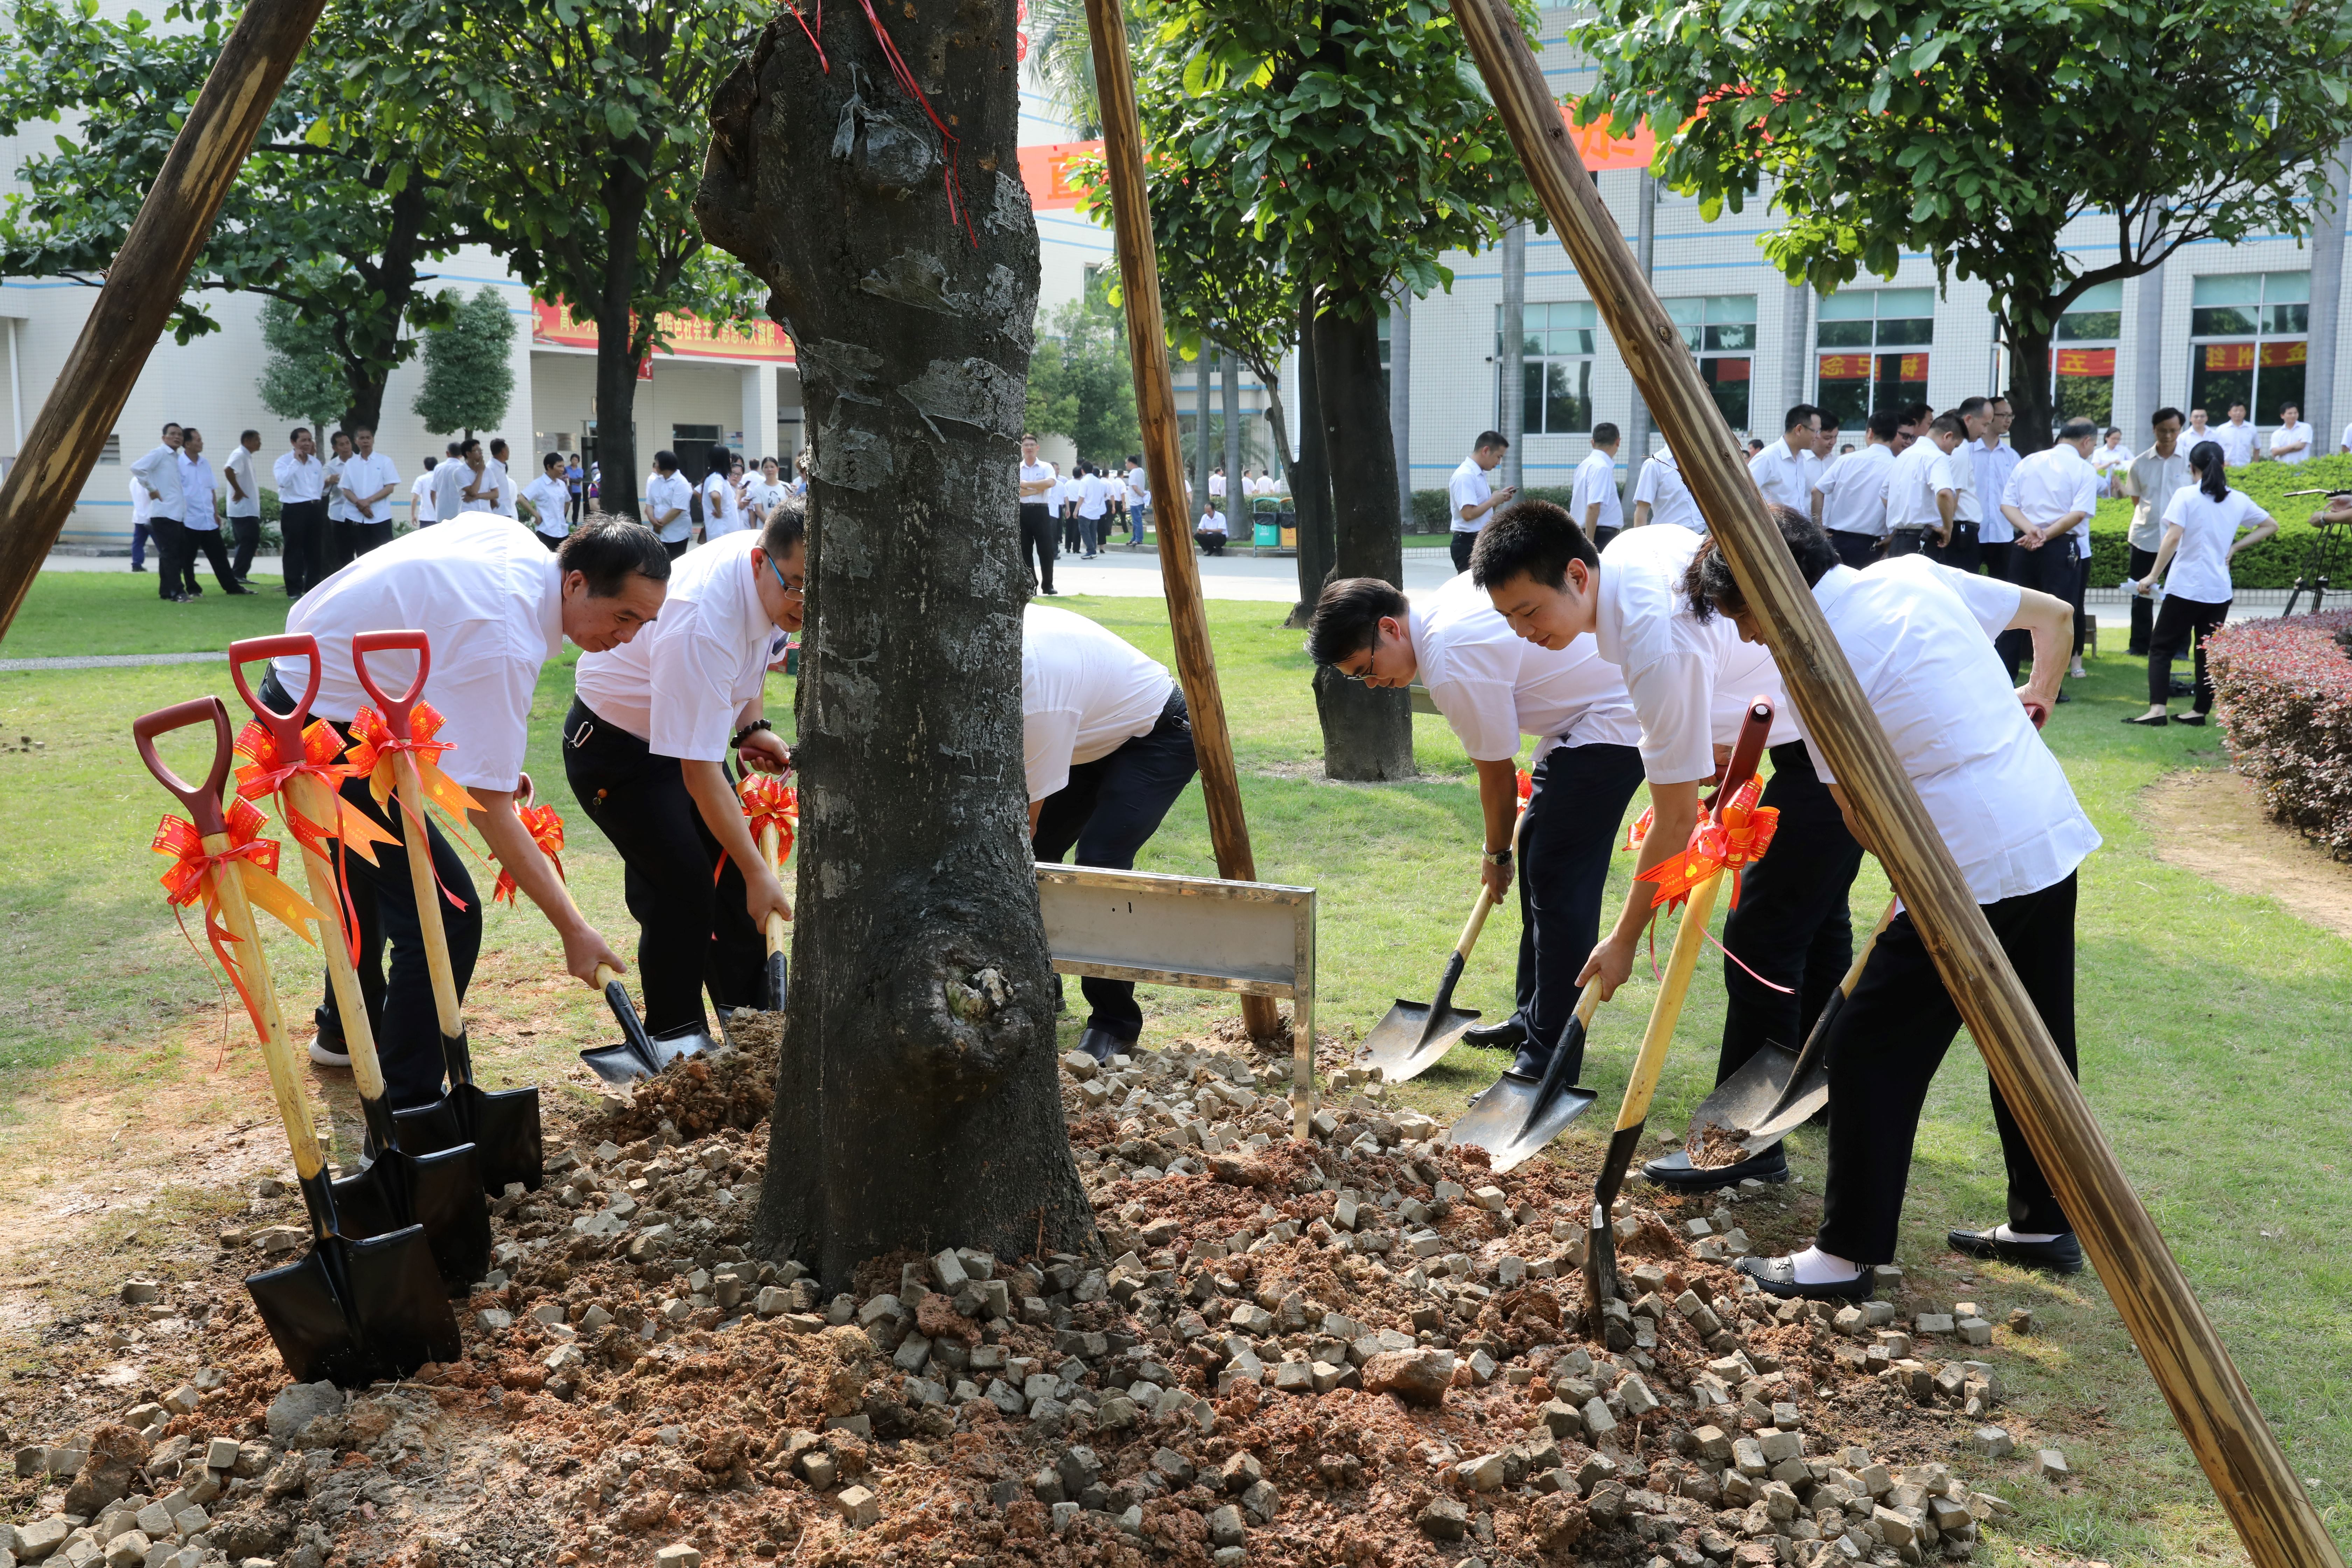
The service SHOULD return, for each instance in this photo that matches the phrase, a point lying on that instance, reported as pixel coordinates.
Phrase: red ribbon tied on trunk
(194, 870)
(546, 830)
(1731, 838)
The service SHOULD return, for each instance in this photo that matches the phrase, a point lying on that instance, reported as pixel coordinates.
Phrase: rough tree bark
(1237, 505)
(2029, 389)
(1367, 734)
(1310, 475)
(918, 1104)
(619, 342)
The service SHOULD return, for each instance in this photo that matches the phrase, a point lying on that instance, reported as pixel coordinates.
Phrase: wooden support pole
(143, 286)
(1155, 404)
(2210, 1401)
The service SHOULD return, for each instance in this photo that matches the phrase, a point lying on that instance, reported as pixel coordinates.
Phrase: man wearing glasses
(644, 747)
(1493, 688)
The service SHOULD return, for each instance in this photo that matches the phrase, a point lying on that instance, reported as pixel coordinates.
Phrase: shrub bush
(2284, 692)
(2274, 561)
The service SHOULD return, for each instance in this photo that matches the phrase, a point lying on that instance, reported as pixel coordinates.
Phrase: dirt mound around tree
(1357, 1350)
(729, 1088)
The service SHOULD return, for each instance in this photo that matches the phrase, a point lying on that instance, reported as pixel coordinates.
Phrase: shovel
(1777, 1090)
(441, 1191)
(639, 1054)
(1633, 1114)
(503, 1127)
(1408, 1041)
(351, 1312)
(771, 842)
(1520, 1116)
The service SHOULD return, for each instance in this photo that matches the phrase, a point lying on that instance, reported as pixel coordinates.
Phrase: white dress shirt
(721, 513)
(2050, 483)
(451, 479)
(1494, 686)
(143, 505)
(2200, 569)
(299, 479)
(2190, 436)
(1211, 521)
(1094, 497)
(1854, 490)
(1036, 473)
(1920, 638)
(1995, 461)
(240, 463)
(196, 495)
(159, 470)
(665, 492)
(364, 477)
(2237, 442)
(552, 499)
(504, 482)
(1786, 478)
(704, 657)
(1670, 499)
(1596, 485)
(1216, 487)
(338, 508)
(1139, 489)
(2150, 481)
(421, 489)
(2345, 444)
(1085, 692)
(1912, 483)
(1468, 486)
(488, 596)
(1690, 680)
(2287, 436)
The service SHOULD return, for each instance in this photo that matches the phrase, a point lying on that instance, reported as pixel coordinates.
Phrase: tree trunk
(1400, 397)
(1367, 734)
(1237, 503)
(618, 346)
(1511, 360)
(1201, 368)
(918, 1105)
(1310, 475)
(2029, 389)
(1645, 245)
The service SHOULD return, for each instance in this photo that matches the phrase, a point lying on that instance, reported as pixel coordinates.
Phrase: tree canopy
(1979, 131)
(1080, 383)
(468, 376)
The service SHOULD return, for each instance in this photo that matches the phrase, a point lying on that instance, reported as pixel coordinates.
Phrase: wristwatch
(748, 730)
(1498, 858)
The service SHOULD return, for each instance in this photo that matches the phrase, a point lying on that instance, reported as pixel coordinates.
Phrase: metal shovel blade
(503, 1126)
(1797, 1105)
(442, 1193)
(1519, 1115)
(1410, 1040)
(356, 1312)
(686, 1040)
(1745, 1098)
(777, 989)
(617, 1064)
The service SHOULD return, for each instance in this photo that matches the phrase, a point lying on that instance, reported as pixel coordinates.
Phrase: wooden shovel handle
(1690, 938)
(1853, 970)
(770, 843)
(1486, 904)
(314, 800)
(286, 727)
(416, 838)
(204, 800)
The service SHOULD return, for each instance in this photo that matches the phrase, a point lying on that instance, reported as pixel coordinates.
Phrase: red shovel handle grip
(286, 727)
(203, 801)
(396, 710)
(1746, 751)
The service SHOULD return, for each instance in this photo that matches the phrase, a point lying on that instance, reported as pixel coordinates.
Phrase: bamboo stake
(2211, 1403)
(143, 286)
(1155, 406)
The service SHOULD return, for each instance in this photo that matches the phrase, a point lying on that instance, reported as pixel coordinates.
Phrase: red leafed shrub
(2283, 690)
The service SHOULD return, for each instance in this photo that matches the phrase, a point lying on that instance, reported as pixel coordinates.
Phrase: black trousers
(367, 536)
(171, 541)
(693, 931)
(1037, 542)
(2085, 623)
(1578, 804)
(248, 533)
(1107, 811)
(208, 543)
(139, 533)
(1070, 532)
(1604, 533)
(2176, 622)
(1792, 925)
(1907, 542)
(342, 544)
(1211, 544)
(677, 548)
(1884, 1050)
(1855, 549)
(2143, 606)
(1459, 545)
(304, 525)
(1996, 555)
(399, 1001)
(1962, 554)
(2052, 570)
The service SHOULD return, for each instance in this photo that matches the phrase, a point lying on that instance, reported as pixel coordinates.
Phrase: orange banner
(1846, 367)
(1046, 171)
(2086, 362)
(1602, 151)
(691, 337)
(2241, 356)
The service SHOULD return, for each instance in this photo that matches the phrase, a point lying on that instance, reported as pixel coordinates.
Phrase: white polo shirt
(159, 470)
(1690, 680)
(1670, 499)
(1596, 485)
(667, 492)
(722, 514)
(552, 498)
(364, 477)
(1494, 686)
(1918, 473)
(704, 657)
(2050, 483)
(196, 495)
(421, 488)
(1211, 521)
(1786, 478)
(1854, 490)
(1094, 497)
(338, 508)
(1467, 486)
(1085, 692)
(1139, 489)
(2237, 442)
(1034, 473)
(1920, 638)
(240, 463)
(491, 600)
(2199, 571)
(497, 471)
(2151, 481)
(451, 479)
(1994, 462)
(299, 479)
(2287, 435)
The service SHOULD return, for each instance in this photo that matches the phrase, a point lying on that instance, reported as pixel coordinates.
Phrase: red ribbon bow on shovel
(191, 875)
(1731, 838)
(373, 749)
(546, 830)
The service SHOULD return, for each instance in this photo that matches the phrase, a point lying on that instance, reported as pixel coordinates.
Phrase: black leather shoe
(1508, 1036)
(2197, 718)
(2061, 1254)
(1778, 1277)
(1102, 1044)
(1675, 1170)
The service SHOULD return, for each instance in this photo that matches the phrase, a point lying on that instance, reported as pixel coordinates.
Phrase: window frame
(2258, 340)
(1540, 319)
(1876, 352)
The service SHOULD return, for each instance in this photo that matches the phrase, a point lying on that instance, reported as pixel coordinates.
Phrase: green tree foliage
(468, 376)
(1080, 383)
(1979, 131)
(301, 377)
(328, 217)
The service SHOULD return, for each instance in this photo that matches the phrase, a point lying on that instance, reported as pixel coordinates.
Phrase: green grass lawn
(118, 612)
(2212, 1027)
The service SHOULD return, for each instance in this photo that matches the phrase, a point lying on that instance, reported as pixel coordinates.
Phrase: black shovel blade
(1517, 1119)
(356, 1312)
(442, 1193)
(777, 989)
(1797, 1105)
(504, 1125)
(1408, 1041)
(1748, 1096)
(617, 1064)
(686, 1040)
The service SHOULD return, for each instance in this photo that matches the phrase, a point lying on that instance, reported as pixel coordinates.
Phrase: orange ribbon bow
(192, 875)
(265, 773)
(1731, 838)
(546, 830)
(1526, 786)
(769, 801)
(373, 756)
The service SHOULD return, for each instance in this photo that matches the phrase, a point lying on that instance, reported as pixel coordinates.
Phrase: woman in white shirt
(2200, 537)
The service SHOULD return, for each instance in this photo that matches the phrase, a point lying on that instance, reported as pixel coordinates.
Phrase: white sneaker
(327, 1058)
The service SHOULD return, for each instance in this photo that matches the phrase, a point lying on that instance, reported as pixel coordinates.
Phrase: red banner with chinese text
(691, 337)
(2085, 361)
(2241, 356)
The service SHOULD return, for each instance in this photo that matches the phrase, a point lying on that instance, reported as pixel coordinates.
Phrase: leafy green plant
(467, 374)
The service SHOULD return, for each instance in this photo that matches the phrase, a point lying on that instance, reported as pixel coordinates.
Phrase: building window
(2082, 357)
(2247, 342)
(1873, 351)
(1556, 365)
(696, 434)
(112, 451)
(1720, 329)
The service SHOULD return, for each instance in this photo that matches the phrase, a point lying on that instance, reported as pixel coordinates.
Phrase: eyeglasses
(1360, 677)
(788, 590)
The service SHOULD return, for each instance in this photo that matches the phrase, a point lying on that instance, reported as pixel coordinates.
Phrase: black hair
(296, 433)
(553, 460)
(248, 435)
(498, 445)
(429, 462)
(1917, 412)
(1885, 423)
(471, 444)
(1534, 539)
(665, 461)
(453, 449)
(1708, 583)
(2075, 429)
(1489, 440)
(1799, 416)
(2212, 469)
(607, 550)
(2166, 412)
(1135, 458)
(188, 430)
(787, 525)
(1968, 406)
(1949, 424)
(1828, 421)
(1347, 618)
(1604, 434)
(716, 459)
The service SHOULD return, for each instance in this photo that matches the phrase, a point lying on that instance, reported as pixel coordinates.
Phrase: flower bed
(2285, 697)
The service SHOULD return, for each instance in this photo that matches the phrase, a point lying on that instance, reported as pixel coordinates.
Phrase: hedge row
(2284, 692)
